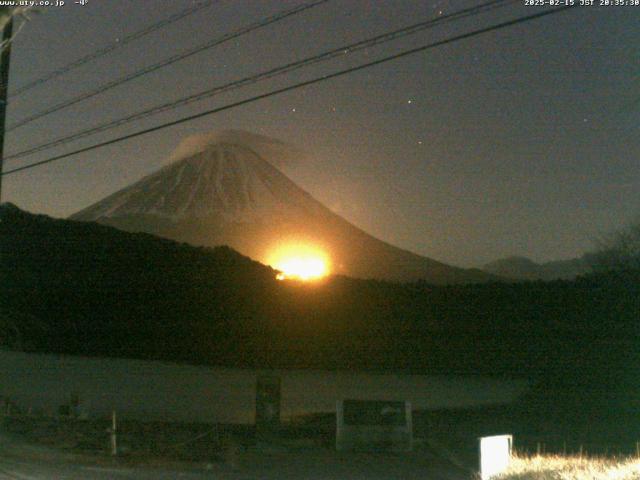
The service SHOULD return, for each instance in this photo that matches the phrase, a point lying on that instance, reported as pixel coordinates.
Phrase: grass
(558, 467)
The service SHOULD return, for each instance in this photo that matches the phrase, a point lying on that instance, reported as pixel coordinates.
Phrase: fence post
(114, 440)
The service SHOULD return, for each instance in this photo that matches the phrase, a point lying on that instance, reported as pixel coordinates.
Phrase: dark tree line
(93, 290)
(85, 289)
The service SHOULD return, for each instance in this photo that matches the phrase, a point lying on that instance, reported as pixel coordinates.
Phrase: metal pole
(5, 57)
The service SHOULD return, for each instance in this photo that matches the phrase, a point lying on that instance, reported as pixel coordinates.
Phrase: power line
(181, 56)
(295, 86)
(275, 72)
(114, 46)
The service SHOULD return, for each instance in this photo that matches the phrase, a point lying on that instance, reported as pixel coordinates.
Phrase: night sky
(518, 142)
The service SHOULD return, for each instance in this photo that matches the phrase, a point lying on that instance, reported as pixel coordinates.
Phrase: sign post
(267, 404)
(373, 425)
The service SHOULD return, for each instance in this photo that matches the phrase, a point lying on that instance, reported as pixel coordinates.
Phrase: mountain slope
(228, 191)
(522, 268)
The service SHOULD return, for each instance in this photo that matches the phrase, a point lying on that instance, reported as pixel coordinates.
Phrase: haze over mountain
(224, 189)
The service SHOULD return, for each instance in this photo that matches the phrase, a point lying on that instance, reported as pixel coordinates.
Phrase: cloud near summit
(276, 152)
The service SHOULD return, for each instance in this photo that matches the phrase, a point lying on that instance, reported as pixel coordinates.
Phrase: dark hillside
(93, 290)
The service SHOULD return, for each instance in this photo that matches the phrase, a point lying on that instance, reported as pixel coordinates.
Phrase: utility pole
(5, 56)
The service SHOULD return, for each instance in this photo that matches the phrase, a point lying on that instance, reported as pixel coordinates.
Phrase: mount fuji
(224, 189)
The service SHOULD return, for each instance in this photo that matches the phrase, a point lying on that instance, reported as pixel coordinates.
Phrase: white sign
(495, 455)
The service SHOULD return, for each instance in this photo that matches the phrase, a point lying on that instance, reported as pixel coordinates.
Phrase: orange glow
(299, 262)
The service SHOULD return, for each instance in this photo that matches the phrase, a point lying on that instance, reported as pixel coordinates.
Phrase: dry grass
(557, 467)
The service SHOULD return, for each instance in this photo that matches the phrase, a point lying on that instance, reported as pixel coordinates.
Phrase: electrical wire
(114, 46)
(169, 61)
(266, 75)
(296, 86)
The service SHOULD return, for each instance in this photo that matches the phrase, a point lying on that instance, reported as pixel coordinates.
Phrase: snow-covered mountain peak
(272, 150)
(225, 175)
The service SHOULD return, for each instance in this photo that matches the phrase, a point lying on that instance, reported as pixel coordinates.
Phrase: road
(23, 461)
(39, 470)
(310, 465)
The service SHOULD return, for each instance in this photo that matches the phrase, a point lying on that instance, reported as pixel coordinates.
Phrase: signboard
(358, 412)
(495, 455)
(373, 425)
(267, 403)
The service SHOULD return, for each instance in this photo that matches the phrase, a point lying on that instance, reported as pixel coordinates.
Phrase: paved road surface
(307, 465)
(39, 470)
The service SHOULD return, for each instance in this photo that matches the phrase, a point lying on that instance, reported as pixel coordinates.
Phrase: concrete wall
(164, 391)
